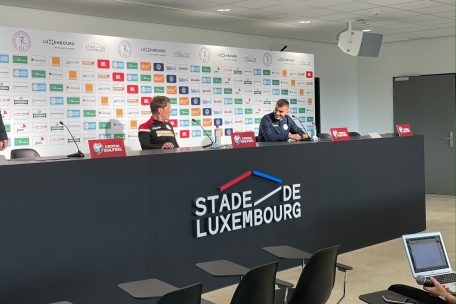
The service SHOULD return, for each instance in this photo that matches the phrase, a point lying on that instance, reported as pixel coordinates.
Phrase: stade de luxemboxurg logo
(224, 212)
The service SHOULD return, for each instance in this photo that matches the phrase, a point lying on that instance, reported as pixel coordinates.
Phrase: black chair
(24, 153)
(317, 278)
(354, 135)
(186, 295)
(324, 136)
(257, 286)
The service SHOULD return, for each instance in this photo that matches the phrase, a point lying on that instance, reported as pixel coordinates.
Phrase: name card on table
(104, 148)
(243, 139)
(404, 130)
(339, 134)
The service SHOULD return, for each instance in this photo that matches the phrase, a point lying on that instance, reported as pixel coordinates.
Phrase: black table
(376, 297)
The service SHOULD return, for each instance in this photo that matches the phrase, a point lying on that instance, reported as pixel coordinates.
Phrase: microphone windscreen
(421, 279)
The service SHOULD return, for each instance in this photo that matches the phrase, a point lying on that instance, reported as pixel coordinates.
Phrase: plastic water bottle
(218, 138)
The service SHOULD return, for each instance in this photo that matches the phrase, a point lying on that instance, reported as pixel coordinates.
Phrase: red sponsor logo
(173, 122)
(146, 101)
(404, 130)
(104, 148)
(118, 76)
(132, 89)
(309, 74)
(184, 134)
(243, 139)
(339, 134)
(103, 64)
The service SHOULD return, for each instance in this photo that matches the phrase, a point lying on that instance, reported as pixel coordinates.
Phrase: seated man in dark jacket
(157, 133)
(3, 136)
(278, 126)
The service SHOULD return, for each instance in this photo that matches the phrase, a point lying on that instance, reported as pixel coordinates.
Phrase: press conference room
(227, 151)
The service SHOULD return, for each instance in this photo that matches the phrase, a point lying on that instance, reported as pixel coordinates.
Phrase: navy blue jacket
(272, 129)
(3, 135)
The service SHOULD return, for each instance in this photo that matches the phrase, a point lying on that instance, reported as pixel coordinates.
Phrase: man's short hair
(282, 103)
(159, 102)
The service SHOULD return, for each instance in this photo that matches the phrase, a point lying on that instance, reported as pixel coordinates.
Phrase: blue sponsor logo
(238, 111)
(20, 73)
(146, 89)
(256, 71)
(196, 101)
(132, 77)
(228, 131)
(173, 112)
(196, 133)
(171, 78)
(218, 121)
(249, 121)
(294, 111)
(183, 90)
(228, 101)
(159, 66)
(206, 101)
(74, 113)
(184, 123)
(89, 125)
(266, 81)
(4, 58)
(207, 111)
(56, 101)
(118, 64)
(218, 112)
(105, 136)
(38, 87)
(195, 68)
(275, 92)
(217, 91)
(207, 80)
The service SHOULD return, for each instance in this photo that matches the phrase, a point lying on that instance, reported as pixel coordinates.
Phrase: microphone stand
(303, 128)
(76, 154)
(212, 142)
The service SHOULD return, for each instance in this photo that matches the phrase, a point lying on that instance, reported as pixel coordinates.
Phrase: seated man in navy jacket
(3, 135)
(157, 132)
(278, 126)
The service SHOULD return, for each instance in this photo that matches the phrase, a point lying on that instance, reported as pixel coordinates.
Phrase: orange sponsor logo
(293, 82)
(301, 92)
(55, 61)
(145, 66)
(159, 78)
(104, 100)
(88, 88)
(171, 90)
(184, 101)
(72, 75)
(196, 112)
(284, 73)
(119, 113)
(207, 122)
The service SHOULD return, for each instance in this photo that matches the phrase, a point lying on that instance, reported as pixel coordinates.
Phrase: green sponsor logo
(284, 92)
(310, 119)
(73, 100)
(89, 113)
(275, 82)
(146, 78)
(104, 125)
(8, 128)
(302, 110)
(266, 72)
(257, 120)
(38, 74)
(20, 59)
(159, 89)
(206, 69)
(121, 136)
(56, 87)
(132, 65)
(248, 111)
(208, 132)
(173, 100)
(238, 101)
(22, 141)
(195, 124)
(184, 112)
(227, 91)
(293, 101)
(217, 80)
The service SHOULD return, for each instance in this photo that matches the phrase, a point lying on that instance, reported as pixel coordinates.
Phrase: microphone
(77, 154)
(425, 281)
(205, 146)
(303, 128)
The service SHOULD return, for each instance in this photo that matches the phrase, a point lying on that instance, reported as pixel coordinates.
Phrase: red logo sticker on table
(104, 148)
(404, 130)
(243, 139)
(339, 134)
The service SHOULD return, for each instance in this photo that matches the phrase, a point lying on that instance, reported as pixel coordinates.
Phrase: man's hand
(168, 145)
(304, 136)
(438, 290)
(296, 137)
(3, 144)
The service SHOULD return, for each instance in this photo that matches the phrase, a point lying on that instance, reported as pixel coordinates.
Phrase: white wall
(375, 76)
(336, 70)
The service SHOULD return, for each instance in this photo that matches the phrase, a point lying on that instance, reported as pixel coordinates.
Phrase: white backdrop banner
(102, 87)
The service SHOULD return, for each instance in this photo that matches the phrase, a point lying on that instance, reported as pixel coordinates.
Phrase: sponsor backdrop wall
(102, 87)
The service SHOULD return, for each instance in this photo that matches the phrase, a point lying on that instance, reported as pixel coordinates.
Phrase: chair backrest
(354, 134)
(257, 286)
(324, 136)
(186, 295)
(317, 278)
(24, 153)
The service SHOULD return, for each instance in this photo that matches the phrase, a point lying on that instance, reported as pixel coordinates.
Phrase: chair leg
(345, 284)
(286, 296)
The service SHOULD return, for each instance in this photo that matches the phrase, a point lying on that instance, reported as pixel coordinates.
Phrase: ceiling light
(304, 21)
(224, 10)
(367, 30)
